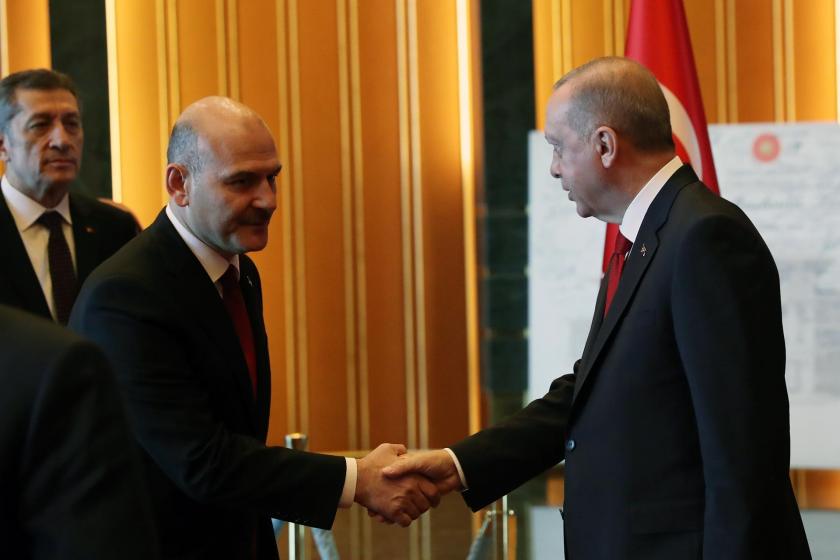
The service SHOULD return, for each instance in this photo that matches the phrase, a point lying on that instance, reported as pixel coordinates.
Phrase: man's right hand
(436, 465)
(394, 499)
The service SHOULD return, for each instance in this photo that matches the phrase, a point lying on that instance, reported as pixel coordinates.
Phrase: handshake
(398, 487)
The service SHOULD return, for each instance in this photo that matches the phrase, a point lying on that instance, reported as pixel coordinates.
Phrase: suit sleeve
(501, 458)
(727, 321)
(171, 415)
(83, 495)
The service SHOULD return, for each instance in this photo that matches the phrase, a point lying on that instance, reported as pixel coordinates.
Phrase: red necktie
(235, 305)
(616, 266)
(62, 274)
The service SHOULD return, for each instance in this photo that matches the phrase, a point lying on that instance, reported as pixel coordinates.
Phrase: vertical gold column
(172, 61)
(232, 51)
(566, 35)
(620, 26)
(406, 220)
(837, 57)
(285, 188)
(465, 98)
(790, 70)
(221, 47)
(417, 225)
(359, 226)
(720, 59)
(346, 156)
(557, 38)
(298, 220)
(731, 62)
(609, 23)
(778, 62)
(113, 99)
(164, 115)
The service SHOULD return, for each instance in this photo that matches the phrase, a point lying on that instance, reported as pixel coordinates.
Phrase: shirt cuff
(348, 494)
(458, 467)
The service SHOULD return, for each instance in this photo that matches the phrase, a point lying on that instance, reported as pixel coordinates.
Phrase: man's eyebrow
(49, 115)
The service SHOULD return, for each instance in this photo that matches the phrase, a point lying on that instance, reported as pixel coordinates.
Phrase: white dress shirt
(635, 213)
(629, 227)
(215, 265)
(25, 212)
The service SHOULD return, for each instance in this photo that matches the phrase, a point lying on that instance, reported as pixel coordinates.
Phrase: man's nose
(554, 168)
(59, 137)
(266, 196)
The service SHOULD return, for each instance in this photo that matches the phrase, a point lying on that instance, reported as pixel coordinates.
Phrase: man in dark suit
(70, 479)
(179, 312)
(50, 240)
(674, 424)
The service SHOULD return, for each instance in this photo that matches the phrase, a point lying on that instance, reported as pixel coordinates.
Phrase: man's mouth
(62, 162)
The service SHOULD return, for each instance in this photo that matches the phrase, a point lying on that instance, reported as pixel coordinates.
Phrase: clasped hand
(398, 487)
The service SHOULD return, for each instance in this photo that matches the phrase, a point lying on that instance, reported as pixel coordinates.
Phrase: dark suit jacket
(98, 231)
(183, 376)
(674, 424)
(70, 479)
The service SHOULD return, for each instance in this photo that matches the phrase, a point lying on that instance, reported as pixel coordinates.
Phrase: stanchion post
(297, 544)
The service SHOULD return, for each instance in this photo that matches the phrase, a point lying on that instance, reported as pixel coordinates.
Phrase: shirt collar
(211, 261)
(26, 211)
(635, 213)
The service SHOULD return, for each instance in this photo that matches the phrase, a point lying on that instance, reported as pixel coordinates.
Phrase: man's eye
(38, 125)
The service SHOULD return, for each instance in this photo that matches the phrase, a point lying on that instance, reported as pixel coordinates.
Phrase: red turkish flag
(657, 37)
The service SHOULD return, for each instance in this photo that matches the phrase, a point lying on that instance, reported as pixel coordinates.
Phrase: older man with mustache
(179, 313)
(50, 239)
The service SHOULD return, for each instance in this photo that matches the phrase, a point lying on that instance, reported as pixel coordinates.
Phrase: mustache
(256, 217)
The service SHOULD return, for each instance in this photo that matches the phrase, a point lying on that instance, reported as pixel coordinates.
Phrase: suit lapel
(18, 270)
(597, 320)
(249, 282)
(641, 255)
(207, 310)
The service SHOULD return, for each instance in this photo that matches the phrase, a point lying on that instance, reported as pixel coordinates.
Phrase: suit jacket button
(570, 445)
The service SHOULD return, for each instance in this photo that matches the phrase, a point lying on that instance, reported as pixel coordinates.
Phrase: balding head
(622, 94)
(202, 120)
(221, 172)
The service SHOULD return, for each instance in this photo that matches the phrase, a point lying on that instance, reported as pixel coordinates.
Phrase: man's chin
(251, 243)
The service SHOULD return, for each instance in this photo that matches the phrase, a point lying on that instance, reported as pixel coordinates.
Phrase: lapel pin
(643, 250)
(90, 229)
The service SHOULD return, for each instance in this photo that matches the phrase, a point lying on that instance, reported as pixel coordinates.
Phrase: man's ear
(4, 153)
(606, 144)
(178, 184)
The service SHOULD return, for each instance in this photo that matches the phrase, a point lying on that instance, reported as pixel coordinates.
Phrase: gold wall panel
(757, 60)
(24, 35)
(136, 105)
(815, 66)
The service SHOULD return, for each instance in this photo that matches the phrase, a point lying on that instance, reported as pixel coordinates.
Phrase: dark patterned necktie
(63, 276)
(235, 305)
(616, 267)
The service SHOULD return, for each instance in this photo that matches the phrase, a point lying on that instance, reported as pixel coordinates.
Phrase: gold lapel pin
(90, 229)
(643, 250)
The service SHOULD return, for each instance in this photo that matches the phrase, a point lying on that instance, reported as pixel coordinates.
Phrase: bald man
(179, 312)
(674, 422)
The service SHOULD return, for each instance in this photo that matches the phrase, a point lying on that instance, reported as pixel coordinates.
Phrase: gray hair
(622, 94)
